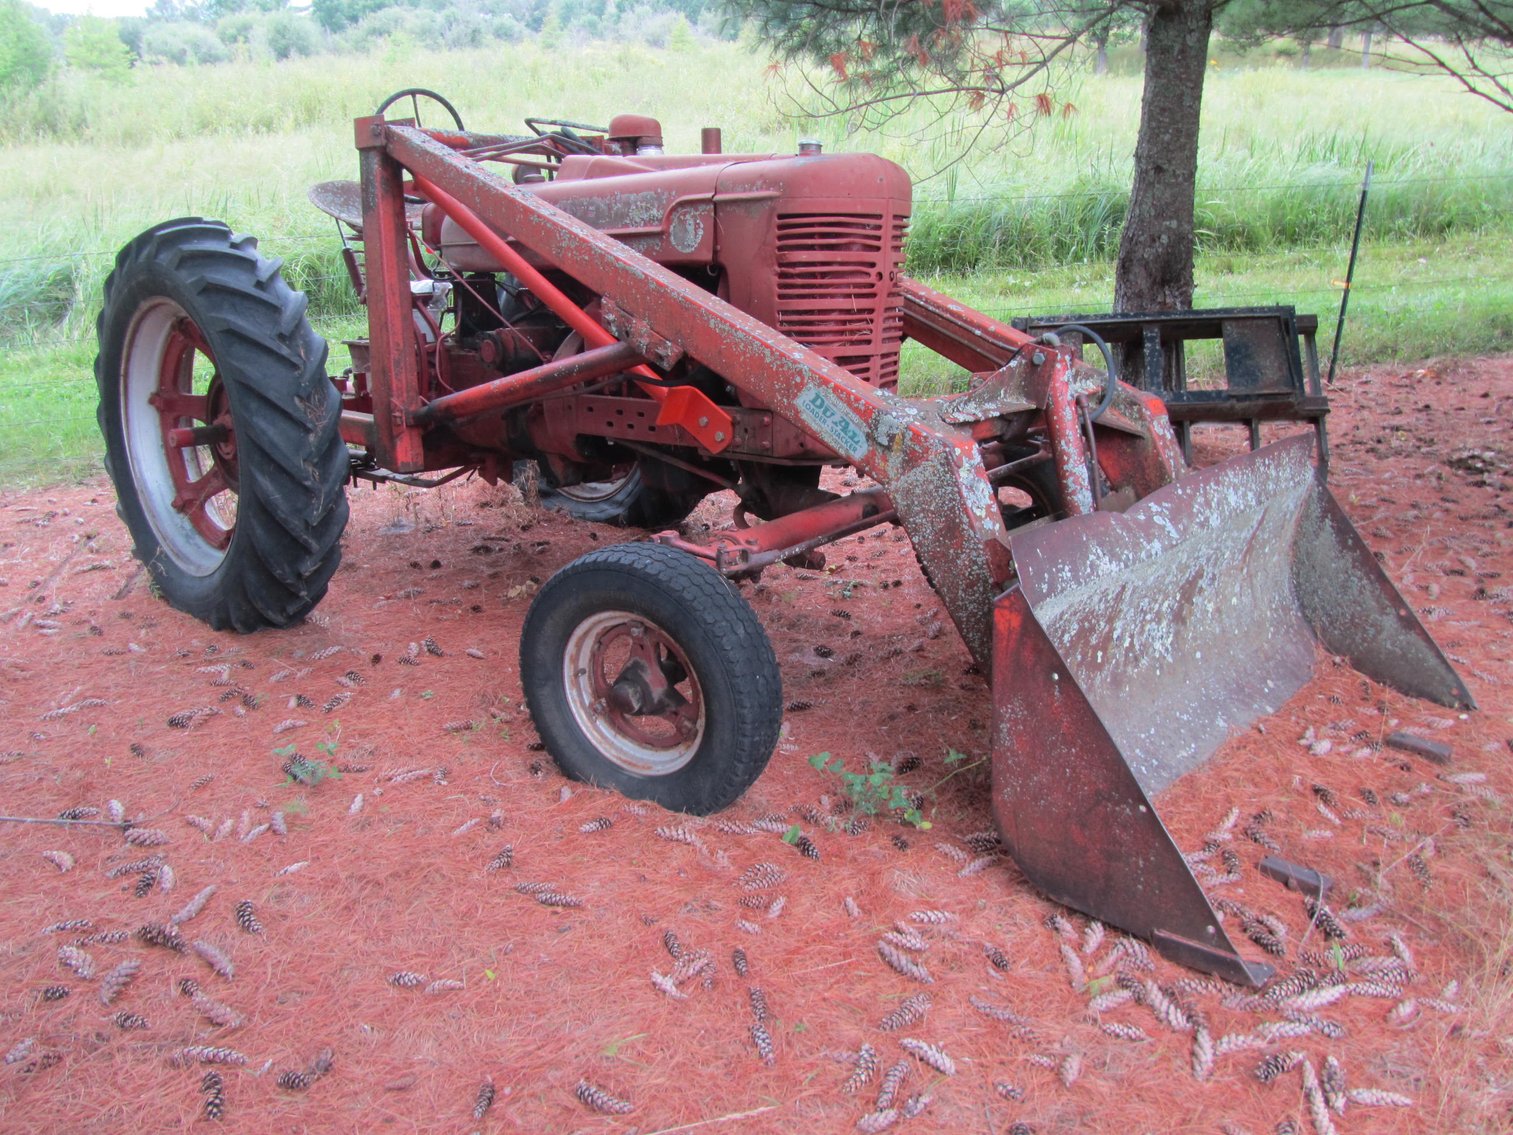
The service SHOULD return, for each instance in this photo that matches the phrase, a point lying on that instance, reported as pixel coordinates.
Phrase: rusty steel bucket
(1133, 644)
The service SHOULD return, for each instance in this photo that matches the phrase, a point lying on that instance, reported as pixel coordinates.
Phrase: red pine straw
(555, 996)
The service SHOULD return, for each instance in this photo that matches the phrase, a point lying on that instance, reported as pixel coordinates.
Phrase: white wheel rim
(153, 332)
(590, 665)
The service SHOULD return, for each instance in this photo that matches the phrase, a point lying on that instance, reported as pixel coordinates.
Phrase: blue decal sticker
(838, 426)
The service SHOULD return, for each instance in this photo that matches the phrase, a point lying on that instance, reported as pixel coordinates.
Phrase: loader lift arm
(933, 473)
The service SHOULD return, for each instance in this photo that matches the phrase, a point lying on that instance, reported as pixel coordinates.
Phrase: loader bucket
(1134, 643)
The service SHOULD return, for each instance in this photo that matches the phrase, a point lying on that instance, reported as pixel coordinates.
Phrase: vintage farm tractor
(649, 328)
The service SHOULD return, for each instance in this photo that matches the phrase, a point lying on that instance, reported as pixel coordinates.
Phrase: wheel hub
(202, 459)
(632, 691)
(643, 690)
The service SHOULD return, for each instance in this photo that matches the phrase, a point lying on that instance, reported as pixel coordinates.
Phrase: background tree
(1155, 267)
(290, 36)
(172, 11)
(26, 52)
(334, 15)
(184, 43)
(93, 44)
(1469, 40)
(1248, 23)
(984, 56)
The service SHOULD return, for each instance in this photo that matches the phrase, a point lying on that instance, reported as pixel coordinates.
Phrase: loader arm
(931, 470)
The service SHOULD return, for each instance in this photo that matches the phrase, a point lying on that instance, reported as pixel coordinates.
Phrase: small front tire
(646, 672)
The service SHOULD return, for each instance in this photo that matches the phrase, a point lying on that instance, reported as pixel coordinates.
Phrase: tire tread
(292, 507)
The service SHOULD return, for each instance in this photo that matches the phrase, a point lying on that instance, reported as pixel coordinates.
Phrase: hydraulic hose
(1108, 364)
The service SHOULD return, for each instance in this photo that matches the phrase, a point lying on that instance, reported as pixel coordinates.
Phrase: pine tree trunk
(1155, 271)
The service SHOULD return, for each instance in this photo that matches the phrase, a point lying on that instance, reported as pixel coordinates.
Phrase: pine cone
(600, 1100)
(484, 1099)
(114, 983)
(213, 1087)
(163, 935)
(246, 917)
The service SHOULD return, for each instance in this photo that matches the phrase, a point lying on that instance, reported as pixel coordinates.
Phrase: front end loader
(648, 328)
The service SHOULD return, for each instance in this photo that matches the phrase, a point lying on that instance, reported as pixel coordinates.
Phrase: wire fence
(49, 430)
(48, 395)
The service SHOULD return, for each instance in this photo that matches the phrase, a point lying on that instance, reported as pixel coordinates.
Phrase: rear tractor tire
(646, 672)
(642, 493)
(221, 428)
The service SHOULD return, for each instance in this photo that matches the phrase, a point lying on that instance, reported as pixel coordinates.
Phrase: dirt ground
(370, 956)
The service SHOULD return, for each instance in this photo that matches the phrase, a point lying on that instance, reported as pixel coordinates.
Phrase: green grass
(1030, 227)
(1411, 300)
(47, 414)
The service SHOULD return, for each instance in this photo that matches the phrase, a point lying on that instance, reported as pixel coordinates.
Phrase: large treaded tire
(723, 657)
(186, 298)
(632, 500)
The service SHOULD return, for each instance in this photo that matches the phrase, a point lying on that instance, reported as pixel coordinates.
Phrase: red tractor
(648, 328)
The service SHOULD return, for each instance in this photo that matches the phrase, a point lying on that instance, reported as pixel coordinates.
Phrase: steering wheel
(415, 94)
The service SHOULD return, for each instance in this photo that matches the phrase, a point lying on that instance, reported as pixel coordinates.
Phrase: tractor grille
(837, 288)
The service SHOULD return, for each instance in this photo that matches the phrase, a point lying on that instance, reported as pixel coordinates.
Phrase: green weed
(877, 790)
(873, 791)
(300, 769)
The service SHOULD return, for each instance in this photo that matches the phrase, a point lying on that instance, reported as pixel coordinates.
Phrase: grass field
(1029, 227)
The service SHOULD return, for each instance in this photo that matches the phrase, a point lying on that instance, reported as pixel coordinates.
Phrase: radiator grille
(837, 288)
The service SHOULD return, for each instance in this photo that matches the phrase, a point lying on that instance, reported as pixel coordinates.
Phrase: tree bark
(1155, 270)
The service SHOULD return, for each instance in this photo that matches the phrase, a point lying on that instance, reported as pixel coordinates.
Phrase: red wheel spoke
(174, 405)
(644, 647)
(192, 500)
(194, 496)
(598, 676)
(685, 718)
(187, 329)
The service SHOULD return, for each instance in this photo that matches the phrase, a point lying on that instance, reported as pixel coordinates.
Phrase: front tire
(221, 428)
(646, 672)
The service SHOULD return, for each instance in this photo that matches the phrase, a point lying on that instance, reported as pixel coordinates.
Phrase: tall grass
(90, 164)
(1282, 154)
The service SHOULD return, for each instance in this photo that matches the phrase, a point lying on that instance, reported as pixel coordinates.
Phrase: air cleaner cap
(635, 133)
